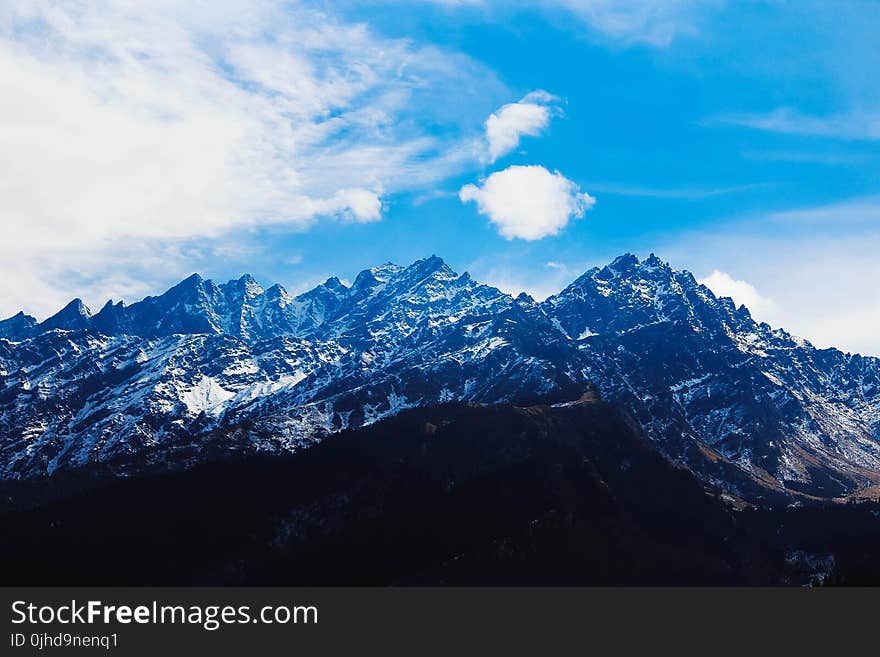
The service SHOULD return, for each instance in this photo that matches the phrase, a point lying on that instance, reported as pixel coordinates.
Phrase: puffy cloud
(528, 202)
(127, 133)
(743, 293)
(530, 116)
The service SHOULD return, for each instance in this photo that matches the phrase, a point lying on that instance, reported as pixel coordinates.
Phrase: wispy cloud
(855, 125)
(651, 22)
(125, 129)
(863, 211)
(809, 157)
(672, 192)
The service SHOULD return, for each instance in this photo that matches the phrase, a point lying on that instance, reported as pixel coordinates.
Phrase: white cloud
(530, 116)
(723, 284)
(528, 202)
(129, 132)
(355, 204)
(822, 280)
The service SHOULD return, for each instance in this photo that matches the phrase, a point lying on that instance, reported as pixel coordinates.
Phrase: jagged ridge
(745, 406)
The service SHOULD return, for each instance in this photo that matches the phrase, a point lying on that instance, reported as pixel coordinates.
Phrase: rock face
(745, 406)
(17, 327)
(701, 375)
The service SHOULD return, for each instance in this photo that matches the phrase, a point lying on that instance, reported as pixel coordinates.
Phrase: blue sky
(301, 140)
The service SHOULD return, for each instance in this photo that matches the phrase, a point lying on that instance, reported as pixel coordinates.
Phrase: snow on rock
(270, 371)
(207, 396)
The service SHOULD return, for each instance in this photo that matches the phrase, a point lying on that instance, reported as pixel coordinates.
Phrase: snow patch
(206, 396)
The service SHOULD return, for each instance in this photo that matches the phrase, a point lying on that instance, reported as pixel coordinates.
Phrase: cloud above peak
(528, 202)
(743, 293)
(529, 116)
(126, 131)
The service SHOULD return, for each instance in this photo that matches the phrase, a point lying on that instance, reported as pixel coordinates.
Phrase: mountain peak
(191, 280)
(245, 284)
(335, 285)
(430, 266)
(110, 319)
(74, 315)
(385, 271)
(191, 283)
(81, 307)
(431, 262)
(17, 327)
(374, 276)
(19, 316)
(76, 307)
(278, 295)
(653, 261)
(625, 262)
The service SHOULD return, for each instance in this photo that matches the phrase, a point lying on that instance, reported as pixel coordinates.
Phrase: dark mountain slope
(453, 494)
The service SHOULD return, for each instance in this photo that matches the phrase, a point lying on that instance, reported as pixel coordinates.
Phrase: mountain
(17, 327)
(455, 495)
(444, 495)
(707, 381)
(75, 315)
(207, 369)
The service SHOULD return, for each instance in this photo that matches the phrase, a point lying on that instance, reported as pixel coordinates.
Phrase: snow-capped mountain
(713, 386)
(171, 379)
